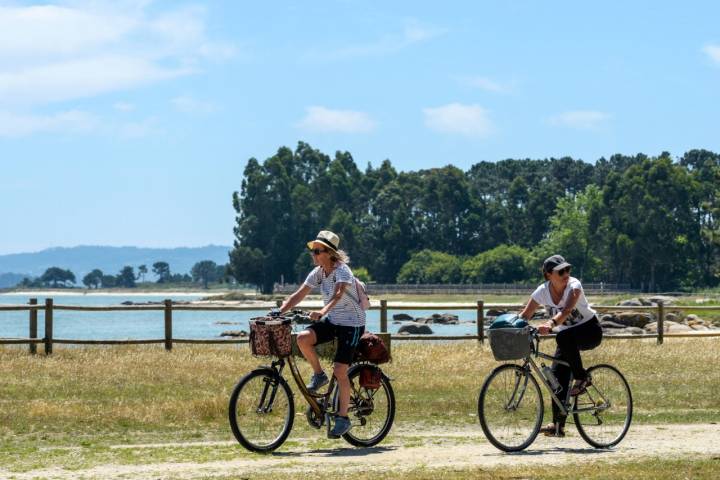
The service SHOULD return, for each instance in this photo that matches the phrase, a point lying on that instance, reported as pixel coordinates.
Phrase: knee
(306, 339)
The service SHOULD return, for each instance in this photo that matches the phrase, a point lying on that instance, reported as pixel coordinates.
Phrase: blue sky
(130, 122)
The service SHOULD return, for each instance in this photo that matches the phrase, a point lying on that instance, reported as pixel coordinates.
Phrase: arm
(295, 298)
(339, 290)
(572, 300)
(529, 309)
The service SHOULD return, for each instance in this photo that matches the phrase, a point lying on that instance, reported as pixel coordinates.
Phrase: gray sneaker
(317, 381)
(341, 427)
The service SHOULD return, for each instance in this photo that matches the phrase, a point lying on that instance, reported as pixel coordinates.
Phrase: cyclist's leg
(348, 340)
(562, 373)
(314, 334)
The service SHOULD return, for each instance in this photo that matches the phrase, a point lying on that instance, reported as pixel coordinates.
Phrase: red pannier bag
(372, 349)
(370, 377)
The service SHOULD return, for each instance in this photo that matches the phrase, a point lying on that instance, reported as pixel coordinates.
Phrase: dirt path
(409, 450)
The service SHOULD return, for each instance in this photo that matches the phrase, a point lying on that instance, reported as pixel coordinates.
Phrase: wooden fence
(599, 288)
(168, 308)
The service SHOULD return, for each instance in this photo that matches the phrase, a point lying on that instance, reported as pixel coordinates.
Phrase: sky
(129, 122)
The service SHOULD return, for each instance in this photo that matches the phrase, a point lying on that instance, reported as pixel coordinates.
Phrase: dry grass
(135, 393)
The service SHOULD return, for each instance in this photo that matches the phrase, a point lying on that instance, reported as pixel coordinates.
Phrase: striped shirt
(347, 310)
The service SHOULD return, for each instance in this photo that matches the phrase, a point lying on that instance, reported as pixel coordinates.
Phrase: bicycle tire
(499, 390)
(364, 403)
(608, 381)
(247, 425)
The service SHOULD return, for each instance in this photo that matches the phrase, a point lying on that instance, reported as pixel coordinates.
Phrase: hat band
(326, 242)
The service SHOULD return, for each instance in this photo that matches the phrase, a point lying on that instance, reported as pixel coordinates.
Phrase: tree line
(203, 272)
(650, 221)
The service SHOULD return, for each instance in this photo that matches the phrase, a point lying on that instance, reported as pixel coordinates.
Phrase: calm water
(144, 325)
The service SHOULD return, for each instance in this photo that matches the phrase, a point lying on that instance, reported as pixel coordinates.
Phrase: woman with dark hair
(341, 317)
(576, 325)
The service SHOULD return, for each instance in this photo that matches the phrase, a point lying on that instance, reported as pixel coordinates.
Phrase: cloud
(457, 118)
(579, 119)
(188, 104)
(81, 49)
(412, 33)
(321, 119)
(71, 121)
(123, 106)
(712, 51)
(484, 83)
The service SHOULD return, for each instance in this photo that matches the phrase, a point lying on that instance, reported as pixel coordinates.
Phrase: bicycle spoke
(604, 412)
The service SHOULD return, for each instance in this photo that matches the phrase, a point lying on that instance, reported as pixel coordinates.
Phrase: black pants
(585, 336)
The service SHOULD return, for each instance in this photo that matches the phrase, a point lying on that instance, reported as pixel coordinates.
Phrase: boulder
(633, 319)
(492, 312)
(633, 302)
(693, 319)
(403, 317)
(234, 333)
(678, 328)
(445, 319)
(424, 320)
(634, 331)
(672, 317)
(662, 299)
(415, 329)
(610, 324)
(700, 328)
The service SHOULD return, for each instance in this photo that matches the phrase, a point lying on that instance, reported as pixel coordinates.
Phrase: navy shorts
(347, 337)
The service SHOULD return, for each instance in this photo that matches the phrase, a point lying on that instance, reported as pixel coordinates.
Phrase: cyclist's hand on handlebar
(545, 328)
(274, 312)
(316, 315)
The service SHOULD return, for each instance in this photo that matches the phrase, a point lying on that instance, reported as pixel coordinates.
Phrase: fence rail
(384, 307)
(469, 289)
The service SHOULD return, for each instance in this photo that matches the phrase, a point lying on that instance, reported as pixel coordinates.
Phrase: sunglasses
(318, 251)
(563, 271)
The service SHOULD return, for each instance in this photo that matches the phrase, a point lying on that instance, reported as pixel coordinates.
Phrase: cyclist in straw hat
(341, 317)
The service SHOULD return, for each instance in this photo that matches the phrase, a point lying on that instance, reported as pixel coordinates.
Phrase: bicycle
(262, 405)
(511, 408)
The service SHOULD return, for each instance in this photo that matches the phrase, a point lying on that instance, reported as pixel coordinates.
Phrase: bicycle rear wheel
(261, 411)
(371, 411)
(510, 408)
(610, 408)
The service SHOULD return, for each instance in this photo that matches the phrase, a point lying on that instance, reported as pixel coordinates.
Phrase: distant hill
(81, 260)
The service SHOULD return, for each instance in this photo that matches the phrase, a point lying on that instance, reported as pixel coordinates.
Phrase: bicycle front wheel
(371, 410)
(604, 412)
(510, 408)
(261, 410)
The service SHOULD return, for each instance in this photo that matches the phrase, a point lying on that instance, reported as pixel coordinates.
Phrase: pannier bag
(270, 337)
(510, 343)
(372, 349)
(370, 377)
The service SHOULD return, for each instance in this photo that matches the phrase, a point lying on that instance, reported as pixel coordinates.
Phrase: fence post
(660, 323)
(33, 326)
(383, 316)
(48, 326)
(481, 321)
(168, 324)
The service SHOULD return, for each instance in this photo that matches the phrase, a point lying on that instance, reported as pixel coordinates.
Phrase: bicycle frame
(562, 405)
(317, 401)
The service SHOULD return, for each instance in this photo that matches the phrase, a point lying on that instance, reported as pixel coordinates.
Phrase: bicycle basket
(510, 343)
(270, 337)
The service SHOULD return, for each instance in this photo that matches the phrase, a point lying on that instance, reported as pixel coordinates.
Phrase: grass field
(70, 408)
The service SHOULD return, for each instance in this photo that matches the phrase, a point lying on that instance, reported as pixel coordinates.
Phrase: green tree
(57, 277)
(93, 279)
(362, 274)
(502, 264)
(247, 265)
(162, 270)
(204, 271)
(126, 277)
(109, 281)
(427, 266)
(142, 271)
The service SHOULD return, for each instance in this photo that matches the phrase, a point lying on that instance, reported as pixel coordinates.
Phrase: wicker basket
(510, 343)
(270, 337)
